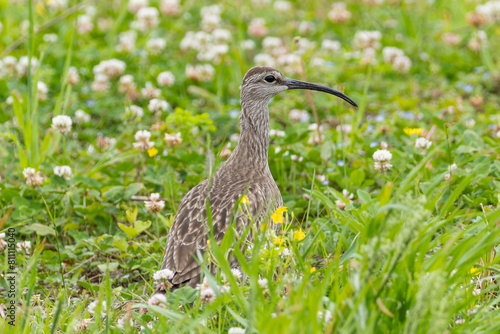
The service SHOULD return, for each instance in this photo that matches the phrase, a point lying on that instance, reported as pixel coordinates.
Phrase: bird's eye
(270, 78)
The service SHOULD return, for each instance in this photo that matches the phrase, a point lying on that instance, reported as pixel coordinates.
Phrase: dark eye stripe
(270, 78)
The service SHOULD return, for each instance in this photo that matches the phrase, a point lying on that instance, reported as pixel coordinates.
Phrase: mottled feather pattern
(245, 172)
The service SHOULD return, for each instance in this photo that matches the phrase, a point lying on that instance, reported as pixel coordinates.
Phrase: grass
(414, 250)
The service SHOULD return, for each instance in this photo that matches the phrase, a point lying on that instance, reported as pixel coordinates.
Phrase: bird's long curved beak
(297, 84)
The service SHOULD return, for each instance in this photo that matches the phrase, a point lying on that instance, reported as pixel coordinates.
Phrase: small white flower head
(297, 158)
(298, 115)
(470, 123)
(157, 105)
(170, 7)
(276, 133)
(330, 46)
(63, 171)
(236, 330)
(2, 241)
(154, 205)
(390, 53)
(162, 278)
(158, 299)
(73, 76)
(367, 40)
(142, 135)
(156, 45)
(147, 18)
(328, 315)
(134, 111)
(81, 116)
(142, 138)
(92, 306)
(173, 139)
(24, 246)
(384, 145)
(166, 79)
(203, 73)
(264, 59)
(382, 160)
(263, 282)
(340, 204)
(33, 178)
(401, 64)
(43, 90)
(122, 322)
(150, 92)
(347, 195)
(22, 65)
(257, 28)
(423, 143)
(84, 24)
(135, 5)
(127, 41)
(207, 295)
(315, 138)
(339, 13)
(247, 44)
(236, 273)
(50, 38)
(111, 68)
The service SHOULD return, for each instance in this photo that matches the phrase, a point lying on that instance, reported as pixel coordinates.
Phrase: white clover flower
(276, 133)
(150, 92)
(382, 159)
(50, 38)
(63, 171)
(247, 44)
(257, 28)
(120, 324)
(281, 6)
(92, 306)
(263, 282)
(221, 35)
(62, 124)
(127, 41)
(207, 295)
(236, 273)
(367, 40)
(423, 143)
(2, 241)
(164, 273)
(296, 158)
(156, 45)
(111, 68)
(81, 116)
(315, 138)
(306, 27)
(158, 299)
(340, 204)
(154, 205)
(33, 178)
(73, 76)
(135, 5)
(142, 138)
(339, 13)
(157, 105)
(166, 79)
(173, 139)
(390, 53)
(147, 17)
(170, 7)
(22, 65)
(330, 46)
(84, 24)
(401, 64)
(134, 111)
(42, 90)
(203, 73)
(24, 246)
(236, 330)
(264, 59)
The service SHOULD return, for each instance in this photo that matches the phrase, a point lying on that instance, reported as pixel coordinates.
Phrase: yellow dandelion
(278, 241)
(277, 216)
(152, 152)
(313, 270)
(244, 200)
(411, 131)
(299, 235)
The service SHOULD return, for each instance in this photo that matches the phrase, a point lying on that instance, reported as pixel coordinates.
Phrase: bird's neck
(253, 145)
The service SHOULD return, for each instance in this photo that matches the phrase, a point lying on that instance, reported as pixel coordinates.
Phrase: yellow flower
(40, 8)
(152, 152)
(263, 227)
(313, 270)
(299, 235)
(244, 200)
(411, 131)
(278, 241)
(475, 271)
(277, 216)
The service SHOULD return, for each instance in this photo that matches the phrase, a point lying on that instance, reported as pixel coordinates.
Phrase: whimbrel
(246, 172)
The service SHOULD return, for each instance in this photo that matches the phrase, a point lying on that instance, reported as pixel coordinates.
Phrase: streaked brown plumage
(245, 172)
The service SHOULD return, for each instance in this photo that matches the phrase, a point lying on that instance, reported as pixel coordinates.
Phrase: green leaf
(40, 229)
(114, 194)
(364, 196)
(111, 266)
(357, 177)
(132, 189)
(141, 226)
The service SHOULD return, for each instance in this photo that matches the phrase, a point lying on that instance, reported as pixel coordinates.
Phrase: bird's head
(261, 83)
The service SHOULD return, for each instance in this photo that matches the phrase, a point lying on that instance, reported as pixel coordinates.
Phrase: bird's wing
(189, 230)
